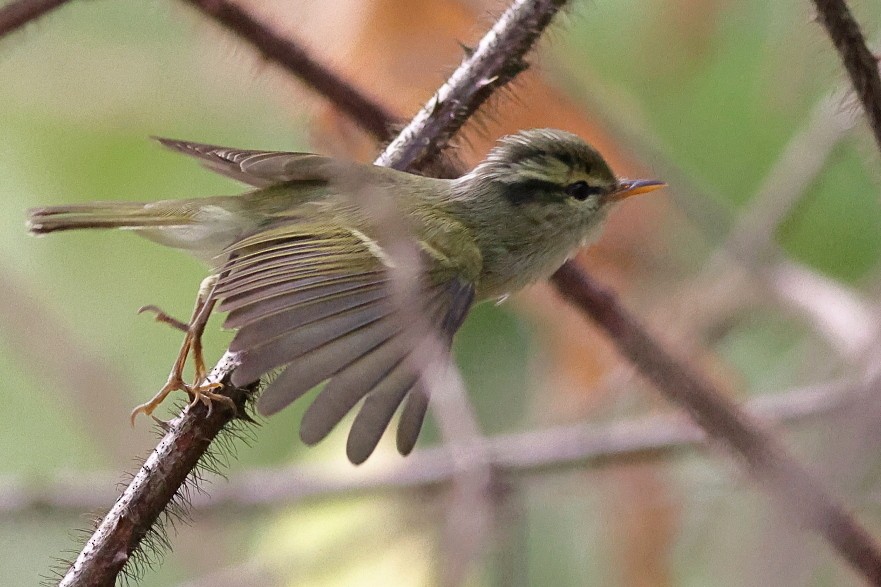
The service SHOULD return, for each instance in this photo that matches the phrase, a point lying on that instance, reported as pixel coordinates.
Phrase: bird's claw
(206, 395)
(201, 393)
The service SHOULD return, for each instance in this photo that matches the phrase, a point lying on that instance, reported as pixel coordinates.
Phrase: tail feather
(102, 215)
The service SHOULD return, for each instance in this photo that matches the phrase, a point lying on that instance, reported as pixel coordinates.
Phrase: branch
(803, 159)
(861, 65)
(509, 455)
(148, 496)
(797, 492)
(363, 110)
(498, 58)
(18, 13)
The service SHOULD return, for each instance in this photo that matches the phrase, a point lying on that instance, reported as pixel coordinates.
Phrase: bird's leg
(192, 344)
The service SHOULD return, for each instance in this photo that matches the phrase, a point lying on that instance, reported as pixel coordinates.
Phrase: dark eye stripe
(581, 190)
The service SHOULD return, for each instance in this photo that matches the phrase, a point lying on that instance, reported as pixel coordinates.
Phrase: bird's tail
(130, 215)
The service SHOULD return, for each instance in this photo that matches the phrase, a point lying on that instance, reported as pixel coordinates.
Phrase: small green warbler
(302, 271)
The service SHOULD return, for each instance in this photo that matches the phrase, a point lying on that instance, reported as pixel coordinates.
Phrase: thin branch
(160, 480)
(523, 454)
(848, 320)
(796, 491)
(789, 179)
(354, 103)
(471, 508)
(860, 63)
(496, 60)
(54, 351)
(18, 13)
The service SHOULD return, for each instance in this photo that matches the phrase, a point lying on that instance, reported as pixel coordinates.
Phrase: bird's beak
(633, 187)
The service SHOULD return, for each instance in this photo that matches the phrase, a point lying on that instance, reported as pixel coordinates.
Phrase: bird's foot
(201, 393)
(204, 393)
(147, 408)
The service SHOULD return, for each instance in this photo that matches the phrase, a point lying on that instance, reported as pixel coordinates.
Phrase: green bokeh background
(82, 89)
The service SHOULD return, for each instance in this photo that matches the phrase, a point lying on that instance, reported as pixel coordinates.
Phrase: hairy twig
(365, 111)
(860, 63)
(18, 13)
(148, 496)
(496, 60)
(523, 454)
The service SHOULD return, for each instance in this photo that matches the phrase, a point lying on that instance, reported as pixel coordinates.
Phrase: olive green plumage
(302, 268)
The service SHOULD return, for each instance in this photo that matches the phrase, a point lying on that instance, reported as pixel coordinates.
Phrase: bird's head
(554, 171)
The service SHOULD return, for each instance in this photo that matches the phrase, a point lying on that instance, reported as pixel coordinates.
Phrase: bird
(305, 272)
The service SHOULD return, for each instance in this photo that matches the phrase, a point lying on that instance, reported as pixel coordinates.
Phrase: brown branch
(496, 60)
(18, 13)
(363, 110)
(796, 491)
(160, 480)
(861, 65)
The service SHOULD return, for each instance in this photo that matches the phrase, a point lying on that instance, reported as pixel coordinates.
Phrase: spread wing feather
(460, 298)
(256, 168)
(319, 305)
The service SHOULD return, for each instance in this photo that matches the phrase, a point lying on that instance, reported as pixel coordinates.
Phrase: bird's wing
(256, 168)
(317, 301)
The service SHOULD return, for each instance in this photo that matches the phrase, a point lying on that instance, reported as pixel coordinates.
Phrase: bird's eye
(581, 190)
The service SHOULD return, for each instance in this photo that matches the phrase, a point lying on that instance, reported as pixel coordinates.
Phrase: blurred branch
(18, 13)
(523, 454)
(860, 63)
(293, 57)
(497, 59)
(41, 343)
(470, 512)
(848, 321)
(789, 179)
(796, 491)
